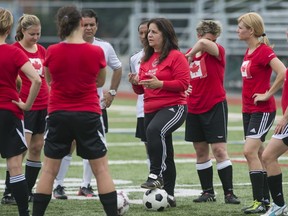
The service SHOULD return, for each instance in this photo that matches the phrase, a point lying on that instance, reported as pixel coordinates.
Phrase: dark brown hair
(68, 19)
(170, 40)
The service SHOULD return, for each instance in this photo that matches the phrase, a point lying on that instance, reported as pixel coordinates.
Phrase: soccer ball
(155, 199)
(122, 203)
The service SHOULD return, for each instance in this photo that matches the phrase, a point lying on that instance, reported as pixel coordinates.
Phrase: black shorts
(283, 135)
(85, 127)
(105, 120)
(140, 129)
(210, 127)
(12, 138)
(257, 125)
(35, 121)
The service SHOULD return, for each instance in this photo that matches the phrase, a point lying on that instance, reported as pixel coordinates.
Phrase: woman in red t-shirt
(74, 70)
(27, 36)
(276, 147)
(163, 78)
(258, 103)
(206, 122)
(12, 138)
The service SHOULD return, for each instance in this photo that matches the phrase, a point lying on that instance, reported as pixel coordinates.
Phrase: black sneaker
(153, 182)
(8, 199)
(86, 191)
(231, 199)
(205, 197)
(59, 192)
(171, 201)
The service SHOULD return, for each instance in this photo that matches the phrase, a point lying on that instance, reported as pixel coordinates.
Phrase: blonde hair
(255, 22)
(6, 21)
(209, 26)
(24, 23)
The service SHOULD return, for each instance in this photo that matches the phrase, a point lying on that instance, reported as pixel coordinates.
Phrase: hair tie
(264, 34)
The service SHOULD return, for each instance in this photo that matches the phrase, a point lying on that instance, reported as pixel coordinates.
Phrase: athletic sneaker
(8, 199)
(231, 199)
(275, 210)
(86, 191)
(255, 208)
(153, 182)
(171, 201)
(59, 192)
(205, 197)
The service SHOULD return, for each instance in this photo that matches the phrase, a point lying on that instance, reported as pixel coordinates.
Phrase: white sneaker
(276, 210)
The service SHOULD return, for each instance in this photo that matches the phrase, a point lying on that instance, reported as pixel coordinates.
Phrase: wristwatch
(112, 92)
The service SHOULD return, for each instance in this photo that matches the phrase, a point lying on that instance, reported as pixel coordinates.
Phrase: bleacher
(184, 16)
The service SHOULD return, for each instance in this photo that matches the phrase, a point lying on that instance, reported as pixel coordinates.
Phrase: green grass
(123, 146)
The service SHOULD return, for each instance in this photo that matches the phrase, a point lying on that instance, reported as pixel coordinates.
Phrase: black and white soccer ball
(122, 203)
(155, 199)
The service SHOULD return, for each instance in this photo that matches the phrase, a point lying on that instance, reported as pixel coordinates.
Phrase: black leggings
(159, 127)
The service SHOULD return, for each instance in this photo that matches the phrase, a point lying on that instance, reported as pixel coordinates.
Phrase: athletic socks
(20, 192)
(205, 173)
(275, 185)
(65, 163)
(32, 169)
(40, 203)
(109, 202)
(266, 193)
(225, 173)
(87, 173)
(257, 181)
(7, 184)
(147, 160)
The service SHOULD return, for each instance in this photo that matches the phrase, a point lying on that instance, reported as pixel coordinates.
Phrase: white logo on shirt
(245, 69)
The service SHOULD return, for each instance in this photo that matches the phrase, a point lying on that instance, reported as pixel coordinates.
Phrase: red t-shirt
(11, 60)
(174, 71)
(207, 81)
(74, 69)
(284, 100)
(256, 73)
(36, 59)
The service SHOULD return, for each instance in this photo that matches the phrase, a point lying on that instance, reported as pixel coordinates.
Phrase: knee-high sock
(65, 163)
(224, 169)
(32, 169)
(40, 203)
(7, 184)
(87, 173)
(147, 160)
(109, 202)
(20, 192)
(205, 173)
(276, 189)
(257, 181)
(266, 194)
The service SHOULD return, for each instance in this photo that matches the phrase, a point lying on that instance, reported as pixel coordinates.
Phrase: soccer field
(127, 159)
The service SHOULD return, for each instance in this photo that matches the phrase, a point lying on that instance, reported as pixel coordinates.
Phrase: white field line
(125, 144)
(72, 184)
(187, 190)
(181, 129)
